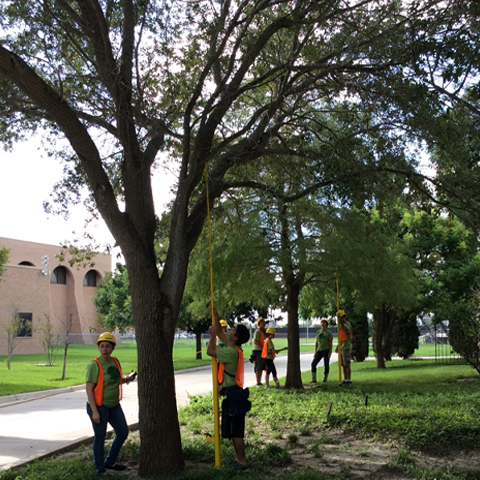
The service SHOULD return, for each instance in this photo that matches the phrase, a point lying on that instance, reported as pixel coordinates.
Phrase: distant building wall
(28, 288)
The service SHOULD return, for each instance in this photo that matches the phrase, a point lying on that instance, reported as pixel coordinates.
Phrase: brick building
(37, 285)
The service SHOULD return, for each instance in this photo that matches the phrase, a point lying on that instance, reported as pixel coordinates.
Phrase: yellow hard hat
(223, 323)
(259, 320)
(106, 337)
(270, 330)
(341, 313)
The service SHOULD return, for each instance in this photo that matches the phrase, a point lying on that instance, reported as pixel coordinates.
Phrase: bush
(464, 337)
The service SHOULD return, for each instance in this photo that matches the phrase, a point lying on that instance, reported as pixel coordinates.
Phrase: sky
(27, 177)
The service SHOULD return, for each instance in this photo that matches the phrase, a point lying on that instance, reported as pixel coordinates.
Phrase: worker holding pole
(235, 404)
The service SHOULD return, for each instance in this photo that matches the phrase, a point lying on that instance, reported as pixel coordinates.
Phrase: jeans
(115, 417)
(326, 361)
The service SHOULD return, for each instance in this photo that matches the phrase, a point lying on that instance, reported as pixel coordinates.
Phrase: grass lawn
(414, 420)
(29, 373)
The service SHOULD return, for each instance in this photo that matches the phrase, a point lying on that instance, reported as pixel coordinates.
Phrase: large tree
(222, 84)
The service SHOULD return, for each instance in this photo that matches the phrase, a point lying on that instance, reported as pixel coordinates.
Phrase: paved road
(33, 425)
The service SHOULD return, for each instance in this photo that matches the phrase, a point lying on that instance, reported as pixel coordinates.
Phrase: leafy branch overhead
(325, 94)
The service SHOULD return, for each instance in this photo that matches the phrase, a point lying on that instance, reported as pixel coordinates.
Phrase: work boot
(325, 377)
(314, 377)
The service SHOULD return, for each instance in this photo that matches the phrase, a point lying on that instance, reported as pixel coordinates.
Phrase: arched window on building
(90, 279)
(27, 264)
(59, 275)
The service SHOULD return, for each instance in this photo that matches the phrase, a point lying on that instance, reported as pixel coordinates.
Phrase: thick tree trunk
(294, 372)
(384, 322)
(158, 418)
(160, 448)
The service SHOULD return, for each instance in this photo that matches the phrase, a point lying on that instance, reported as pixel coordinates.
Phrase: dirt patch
(331, 452)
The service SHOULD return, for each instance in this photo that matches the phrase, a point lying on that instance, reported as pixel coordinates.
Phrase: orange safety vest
(343, 334)
(262, 336)
(265, 349)
(98, 390)
(238, 372)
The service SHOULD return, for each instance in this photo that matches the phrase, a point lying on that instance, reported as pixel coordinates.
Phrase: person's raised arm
(215, 330)
(212, 344)
(219, 332)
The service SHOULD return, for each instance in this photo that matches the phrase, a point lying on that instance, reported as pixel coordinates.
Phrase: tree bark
(294, 372)
(158, 420)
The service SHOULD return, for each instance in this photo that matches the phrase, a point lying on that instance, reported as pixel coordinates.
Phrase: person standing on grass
(323, 349)
(258, 341)
(104, 381)
(346, 337)
(235, 404)
(268, 354)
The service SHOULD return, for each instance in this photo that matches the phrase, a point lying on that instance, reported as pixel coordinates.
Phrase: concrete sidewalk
(34, 425)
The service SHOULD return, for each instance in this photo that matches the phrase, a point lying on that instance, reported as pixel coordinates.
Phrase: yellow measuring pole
(216, 409)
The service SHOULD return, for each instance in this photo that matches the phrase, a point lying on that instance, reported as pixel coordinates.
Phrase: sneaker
(267, 386)
(277, 386)
(239, 466)
(259, 384)
(325, 378)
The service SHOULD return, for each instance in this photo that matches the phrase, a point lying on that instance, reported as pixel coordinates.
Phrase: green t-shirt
(111, 380)
(347, 344)
(256, 336)
(323, 340)
(228, 356)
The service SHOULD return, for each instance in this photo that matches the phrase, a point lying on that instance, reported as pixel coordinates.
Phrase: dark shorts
(232, 427)
(270, 367)
(259, 361)
(346, 357)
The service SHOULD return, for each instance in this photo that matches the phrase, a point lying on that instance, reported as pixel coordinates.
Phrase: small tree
(67, 328)
(16, 329)
(50, 340)
(405, 335)
(360, 335)
(114, 302)
(464, 333)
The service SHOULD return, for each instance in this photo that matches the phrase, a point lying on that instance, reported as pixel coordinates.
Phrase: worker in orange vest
(268, 354)
(104, 381)
(258, 340)
(235, 404)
